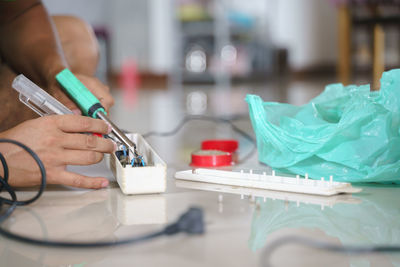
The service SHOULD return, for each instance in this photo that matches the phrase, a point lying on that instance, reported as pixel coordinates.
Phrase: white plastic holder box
(141, 180)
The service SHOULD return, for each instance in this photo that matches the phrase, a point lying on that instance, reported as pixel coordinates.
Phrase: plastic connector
(191, 222)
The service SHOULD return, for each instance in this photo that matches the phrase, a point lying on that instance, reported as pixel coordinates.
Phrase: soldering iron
(91, 106)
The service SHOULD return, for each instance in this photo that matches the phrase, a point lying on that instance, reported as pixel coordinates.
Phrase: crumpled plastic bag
(347, 131)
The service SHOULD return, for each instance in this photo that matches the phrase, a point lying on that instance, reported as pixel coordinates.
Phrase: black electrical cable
(13, 202)
(228, 120)
(191, 222)
(350, 249)
(5, 179)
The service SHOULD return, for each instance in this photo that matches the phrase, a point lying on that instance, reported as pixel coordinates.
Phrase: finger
(102, 92)
(105, 98)
(88, 142)
(80, 157)
(107, 102)
(81, 124)
(81, 181)
(76, 111)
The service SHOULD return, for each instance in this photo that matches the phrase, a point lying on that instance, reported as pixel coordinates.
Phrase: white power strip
(149, 179)
(269, 182)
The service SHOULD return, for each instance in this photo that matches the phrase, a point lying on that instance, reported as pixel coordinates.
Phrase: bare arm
(29, 43)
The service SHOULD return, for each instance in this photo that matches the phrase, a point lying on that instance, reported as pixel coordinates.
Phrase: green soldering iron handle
(86, 101)
(89, 104)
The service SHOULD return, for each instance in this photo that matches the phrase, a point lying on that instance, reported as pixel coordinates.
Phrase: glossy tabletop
(240, 223)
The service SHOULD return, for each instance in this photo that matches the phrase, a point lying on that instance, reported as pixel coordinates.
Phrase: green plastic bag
(348, 132)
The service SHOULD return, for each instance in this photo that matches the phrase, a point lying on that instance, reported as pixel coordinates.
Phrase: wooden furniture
(376, 20)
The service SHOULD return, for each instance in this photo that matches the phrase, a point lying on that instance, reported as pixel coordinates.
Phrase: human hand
(59, 141)
(98, 89)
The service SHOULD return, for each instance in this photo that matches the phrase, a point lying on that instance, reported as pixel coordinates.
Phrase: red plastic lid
(223, 145)
(211, 158)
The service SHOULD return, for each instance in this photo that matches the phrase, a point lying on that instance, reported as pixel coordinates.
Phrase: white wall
(93, 11)
(307, 28)
(127, 21)
(161, 15)
(143, 29)
(130, 32)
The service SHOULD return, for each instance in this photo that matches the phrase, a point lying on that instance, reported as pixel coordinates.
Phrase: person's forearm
(30, 45)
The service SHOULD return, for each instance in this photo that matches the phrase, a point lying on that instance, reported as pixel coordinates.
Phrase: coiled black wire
(13, 202)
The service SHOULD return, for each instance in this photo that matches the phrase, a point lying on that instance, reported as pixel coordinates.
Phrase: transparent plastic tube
(37, 99)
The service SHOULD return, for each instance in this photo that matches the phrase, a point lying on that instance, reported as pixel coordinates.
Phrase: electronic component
(147, 179)
(126, 157)
(270, 182)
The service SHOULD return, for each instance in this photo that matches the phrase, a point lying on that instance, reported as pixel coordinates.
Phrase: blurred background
(167, 58)
(206, 41)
